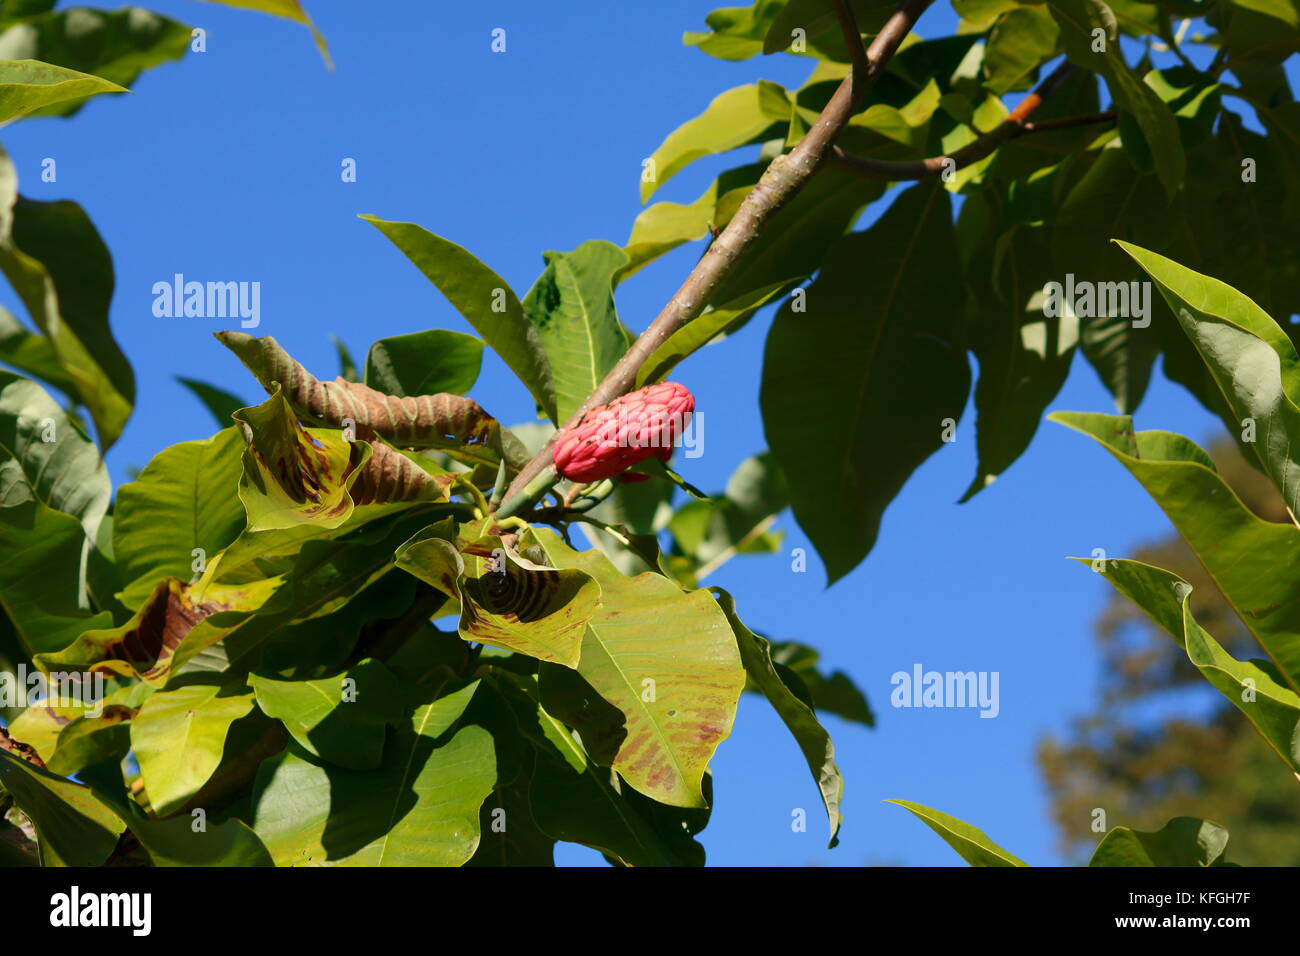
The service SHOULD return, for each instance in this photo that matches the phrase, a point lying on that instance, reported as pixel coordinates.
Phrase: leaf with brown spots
(19, 749)
(169, 628)
(657, 684)
(452, 423)
(576, 800)
(295, 475)
(179, 620)
(506, 600)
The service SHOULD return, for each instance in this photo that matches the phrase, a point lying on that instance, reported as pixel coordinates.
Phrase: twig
(783, 178)
(1219, 62)
(971, 153)
(1174, 41)
(857, 50)
(609, 529)
(572, 495)
(475, 493)
(1016, 124)
(722, 557)
(499, 487)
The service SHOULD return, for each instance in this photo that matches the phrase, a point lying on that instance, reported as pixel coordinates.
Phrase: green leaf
(510, 835)
(218, 401)
(1252, 359)
(640, 510)
(574, 799)
(908, 125)
(11, 10)
(506, 600)
(347, 364)
(1024, 355)
(817, 17)
(78, 827)
(1251, 560)
(86, 741)
(664, 226)
(571, 306)
(179, 736)
(483, 298)
(980, 14)
(713, 531)
(27, 86)
(45, 457)
(73, 828)
(329, 643)
(1240, 232)
(971, 844)
(1110, 200)
(114, 47)
(1193, 97)
(1257, 691)
(746, 114)
(1122, 355)
(419, 808)
(1078, 19)
(813, 740)
(795, 240)
(290, 10)
(1032, 172)
(40, 591)
(1183, 841)
(424, 363)
(63, 273)
(55, 724)
(737, 33)
(836, 694)
(54, 491)
(1258, 37)
(847, 416)
(712, 326)
(988, 113)
(656, 688)
(185, 499)
(175, 843)
(1021, 40)
(31, 353)
(339, 719)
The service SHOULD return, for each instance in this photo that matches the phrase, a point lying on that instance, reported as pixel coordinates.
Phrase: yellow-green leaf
(29, 85)
(656, 688)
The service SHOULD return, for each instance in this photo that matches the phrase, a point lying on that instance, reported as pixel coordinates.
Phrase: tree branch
(782, 179)
(857, 50)
(1015, 125)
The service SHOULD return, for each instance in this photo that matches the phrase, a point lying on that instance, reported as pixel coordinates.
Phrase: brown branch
(1050, 84)
(857, 50)
(1015, 125)
(782, 179)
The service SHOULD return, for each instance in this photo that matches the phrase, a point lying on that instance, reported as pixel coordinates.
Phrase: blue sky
(225, 166)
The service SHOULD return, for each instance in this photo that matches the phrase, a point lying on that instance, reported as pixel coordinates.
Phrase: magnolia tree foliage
(367, 623)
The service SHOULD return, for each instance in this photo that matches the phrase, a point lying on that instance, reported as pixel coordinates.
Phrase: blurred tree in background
(1162, 742)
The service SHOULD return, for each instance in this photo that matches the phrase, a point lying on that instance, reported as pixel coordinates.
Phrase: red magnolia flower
(612, 438)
